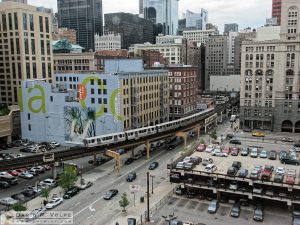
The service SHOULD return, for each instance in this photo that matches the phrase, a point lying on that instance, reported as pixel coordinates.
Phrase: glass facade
(164, 12)
(83, 16)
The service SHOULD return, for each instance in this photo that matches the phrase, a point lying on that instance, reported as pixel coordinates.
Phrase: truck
(233, 118)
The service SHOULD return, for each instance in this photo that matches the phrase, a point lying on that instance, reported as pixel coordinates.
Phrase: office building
(79, 105)
(23, 57)
(276, 10)
(83, 16)
(196, 21)
(231, 27)
(10, 123)
(162, 12)
(270, 84)
(109, 42)
(65, 33)
(183, 90)
(199, 36)
(133, 29)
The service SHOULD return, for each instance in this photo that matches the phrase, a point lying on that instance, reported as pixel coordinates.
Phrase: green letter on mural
(40, 98)
(20, 98)
(112, 105)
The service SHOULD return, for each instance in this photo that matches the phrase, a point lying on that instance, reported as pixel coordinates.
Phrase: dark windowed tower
(83, 16)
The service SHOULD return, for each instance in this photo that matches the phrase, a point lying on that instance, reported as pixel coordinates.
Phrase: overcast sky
(246, 13)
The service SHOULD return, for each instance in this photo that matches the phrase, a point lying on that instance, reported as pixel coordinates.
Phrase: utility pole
(148, 203)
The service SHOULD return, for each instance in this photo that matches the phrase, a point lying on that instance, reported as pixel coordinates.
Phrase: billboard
(79, 123)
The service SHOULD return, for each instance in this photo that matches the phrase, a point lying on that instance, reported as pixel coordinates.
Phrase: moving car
(258, 213)
(235, 141)
(129, 161)
(54, 202)
(71, 192)
(258, 134)
(110, 194)
(235, 210)
(131, 177)
(210, 168)
(287, 139)
(153, 165)
(84, 185)
(213, 206)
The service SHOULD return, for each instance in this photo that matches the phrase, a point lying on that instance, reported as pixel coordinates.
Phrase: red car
(290, 179)
(14, 173)
(226, 150)
(21, 170)
(267, 172)
(235, 151)
(201, 148)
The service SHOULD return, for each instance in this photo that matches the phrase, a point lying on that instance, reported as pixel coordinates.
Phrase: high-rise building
(26, 52)
(276, 10)
(83, 16)
(163, 12)
(199, 36)
(196, 21)
(270, 84)
(133, 29)
(231, 27)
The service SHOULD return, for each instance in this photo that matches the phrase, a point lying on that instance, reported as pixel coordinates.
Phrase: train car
(105, 139)
(141, 132)
(167, 126)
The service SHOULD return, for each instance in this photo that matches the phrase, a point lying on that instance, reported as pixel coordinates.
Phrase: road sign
(134, 188)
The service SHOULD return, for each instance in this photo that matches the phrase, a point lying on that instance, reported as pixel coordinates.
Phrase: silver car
(213, 206)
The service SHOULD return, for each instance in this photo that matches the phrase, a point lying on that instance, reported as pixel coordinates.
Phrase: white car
(180, 165)
(280, 170)
(49, 182)
(8, 201)
(217, 152)
(210, 168)
(187, 159)
(26, 175)
(209, 148)
(6, 175)
(34, 188)
(36, 213)
(254, 153)
(56, 144)
(54, 202)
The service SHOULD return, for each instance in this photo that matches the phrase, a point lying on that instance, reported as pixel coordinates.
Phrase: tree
(202, 141)
(213, 135)
(124, 201)
(19, 207)
(45, 193)
(68, 178)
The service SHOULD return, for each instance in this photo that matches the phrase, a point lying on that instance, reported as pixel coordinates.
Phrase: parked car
(14, 173)
(291, 176)
(56, 144)
(287, 139)
(258, 213)
(254, 153)
(234, 151)
(213, 206)
(196, 160)
(226, 150)
(153, 165)
(84, 185)
(235, 210)
(207, 161)
(8, 201)
(235, 141)
(71, 192)
(99, 161)
(171, 147)
(267, 172)
(244, 201)
(131, 177)
(218, 152)
(283, 154)
(34, 188)
(189, 166)
(26, 175)
(273, 155)
(257, 189)
(278, 178)
(49, 182)
(110, 194)
(29, 193)
(176, 222)
(254, 174)
(237, 164)
(19, 197)
(245, 152)
(233, 185)
(232, 171)
(129, 161)
(201, 148)
(179, 165)
(36, 213)
(209, 148)
(263, 154)
(280, 170)
(4, 184)
(243, 173)
(54, 202)
(180, 190)
(210, 168)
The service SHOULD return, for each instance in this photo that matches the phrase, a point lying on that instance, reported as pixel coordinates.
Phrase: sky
(246, 13)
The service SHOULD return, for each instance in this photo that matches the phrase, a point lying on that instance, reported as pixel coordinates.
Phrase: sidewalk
(163, 190)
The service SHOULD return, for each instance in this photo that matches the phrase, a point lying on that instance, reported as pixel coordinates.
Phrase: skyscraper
(83, 16)
(164, 12)
(276, 10)
(26, 52)
(231, 27)
(196, 21)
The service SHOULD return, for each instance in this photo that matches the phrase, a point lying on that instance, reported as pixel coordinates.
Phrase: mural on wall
(79, 123)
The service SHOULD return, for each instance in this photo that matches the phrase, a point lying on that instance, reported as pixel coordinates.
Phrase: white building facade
(109, 42)
(199, 36)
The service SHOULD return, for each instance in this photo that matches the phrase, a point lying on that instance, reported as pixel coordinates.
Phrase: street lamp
(152, 176)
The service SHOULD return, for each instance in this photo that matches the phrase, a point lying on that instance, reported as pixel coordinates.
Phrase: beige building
(26, 51)
(10, 125)
(74, 62)
(108, 41)
(199, 36)
(65, 33)
(270, 82)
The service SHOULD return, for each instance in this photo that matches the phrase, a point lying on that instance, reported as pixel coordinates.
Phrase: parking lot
(195, 211)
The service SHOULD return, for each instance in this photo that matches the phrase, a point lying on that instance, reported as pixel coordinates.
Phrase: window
(92, 91)
(16, 21)
(28, 70)
(10, 21)
(44, 70)
(42, 47)
(41, 24)
(24, 21)
(92, 100)
(31, 22)
(28, 116)
(48, 47)
(51, 98)
(47, 24)
(49, 70)
(34, 70)
(29, 127)
(32, 46)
